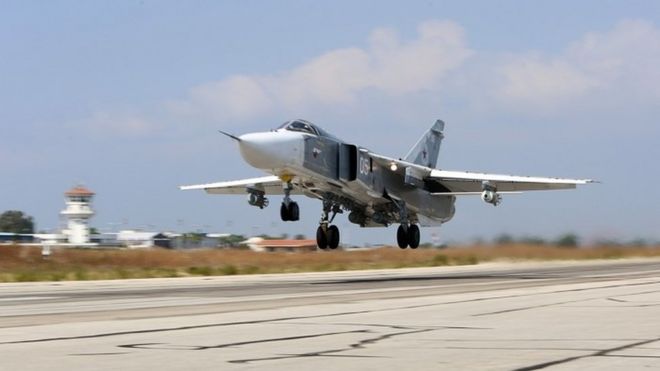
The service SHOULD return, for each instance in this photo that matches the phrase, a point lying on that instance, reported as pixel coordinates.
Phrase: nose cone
(271, 150)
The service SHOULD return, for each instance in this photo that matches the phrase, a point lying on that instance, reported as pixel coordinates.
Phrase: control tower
(77, 214)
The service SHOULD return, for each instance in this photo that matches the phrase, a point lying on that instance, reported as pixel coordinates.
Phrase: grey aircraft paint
(355, 169)
(376, 190)
(427, 149)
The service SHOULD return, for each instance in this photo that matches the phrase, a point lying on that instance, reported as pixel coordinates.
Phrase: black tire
(321, 238)
(294, 212)
(333, 237)
(284, 213)
(413, 236)
(402, 237)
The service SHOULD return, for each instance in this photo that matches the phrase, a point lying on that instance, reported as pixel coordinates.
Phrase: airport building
(260, 244)
(77, 213)
(76, 232)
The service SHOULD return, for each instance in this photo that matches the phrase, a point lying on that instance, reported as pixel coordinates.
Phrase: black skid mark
(533, 307)
(600, 353)
(617, 300)
(577, 300)
(400, 327)
(334, 352)
(162, 346)
(281, 319)
(99, 354)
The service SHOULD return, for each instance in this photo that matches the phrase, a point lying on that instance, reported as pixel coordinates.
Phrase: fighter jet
(375, 190)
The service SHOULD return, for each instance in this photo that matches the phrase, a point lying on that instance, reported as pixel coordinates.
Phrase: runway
(497, 316)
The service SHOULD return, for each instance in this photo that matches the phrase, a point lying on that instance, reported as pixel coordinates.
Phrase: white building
(136, 239)
(77, 213)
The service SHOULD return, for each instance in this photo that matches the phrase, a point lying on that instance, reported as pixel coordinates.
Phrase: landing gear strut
(289, 211)
(327, 236)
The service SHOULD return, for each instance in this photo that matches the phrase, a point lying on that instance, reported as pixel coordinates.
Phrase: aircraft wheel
(333, 237)
(321, 238)
(284, 213)
(294, 211)
(413, 236)
(402, 237)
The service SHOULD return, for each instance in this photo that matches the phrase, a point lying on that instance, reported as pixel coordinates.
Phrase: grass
(24, 264)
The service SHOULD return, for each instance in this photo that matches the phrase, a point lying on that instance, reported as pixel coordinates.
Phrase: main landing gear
(408, 235)
(289, 211)
(327, 236)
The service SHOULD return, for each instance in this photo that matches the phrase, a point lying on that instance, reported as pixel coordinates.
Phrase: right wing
(271, 185)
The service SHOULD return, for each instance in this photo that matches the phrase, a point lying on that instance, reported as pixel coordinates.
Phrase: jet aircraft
(376, 191)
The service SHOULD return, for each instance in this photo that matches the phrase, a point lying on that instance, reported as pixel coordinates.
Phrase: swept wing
(461, 183)
(269, 184)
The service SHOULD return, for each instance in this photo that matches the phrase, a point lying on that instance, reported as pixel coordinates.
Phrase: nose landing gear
(289, 211)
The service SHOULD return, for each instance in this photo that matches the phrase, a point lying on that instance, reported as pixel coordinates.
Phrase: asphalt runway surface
(499, 316)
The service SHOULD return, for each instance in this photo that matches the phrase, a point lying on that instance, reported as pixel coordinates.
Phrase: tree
(504, 239)
(231, 240)
(14, 221)
(568, 240)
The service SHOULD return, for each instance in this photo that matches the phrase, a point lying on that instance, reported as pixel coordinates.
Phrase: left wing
(466, 183)
(460, 181)
(271, 185)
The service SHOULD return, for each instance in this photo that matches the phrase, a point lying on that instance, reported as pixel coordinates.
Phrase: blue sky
(126, 97)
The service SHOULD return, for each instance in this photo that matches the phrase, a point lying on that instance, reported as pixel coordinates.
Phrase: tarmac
(497, 316)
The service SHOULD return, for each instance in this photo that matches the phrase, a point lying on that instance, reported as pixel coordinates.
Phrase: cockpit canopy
(304, 126)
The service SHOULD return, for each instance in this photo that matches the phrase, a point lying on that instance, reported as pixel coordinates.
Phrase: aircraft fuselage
(327, 165)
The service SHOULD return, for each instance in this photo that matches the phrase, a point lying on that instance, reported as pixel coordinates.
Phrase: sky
(126, 97)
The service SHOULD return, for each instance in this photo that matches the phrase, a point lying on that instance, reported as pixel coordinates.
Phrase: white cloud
(387, 64)
(614, 68)
(530, 81)
(237, 96)
(620, 64)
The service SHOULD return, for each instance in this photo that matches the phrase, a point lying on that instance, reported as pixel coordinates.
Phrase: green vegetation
(14, 221)
(231, 240)
(568, 240)
(23, 264)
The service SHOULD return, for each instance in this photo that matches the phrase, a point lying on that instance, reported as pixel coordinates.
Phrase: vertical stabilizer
(426, 150)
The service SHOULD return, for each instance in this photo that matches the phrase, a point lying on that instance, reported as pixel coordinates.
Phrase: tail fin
(426, 150)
